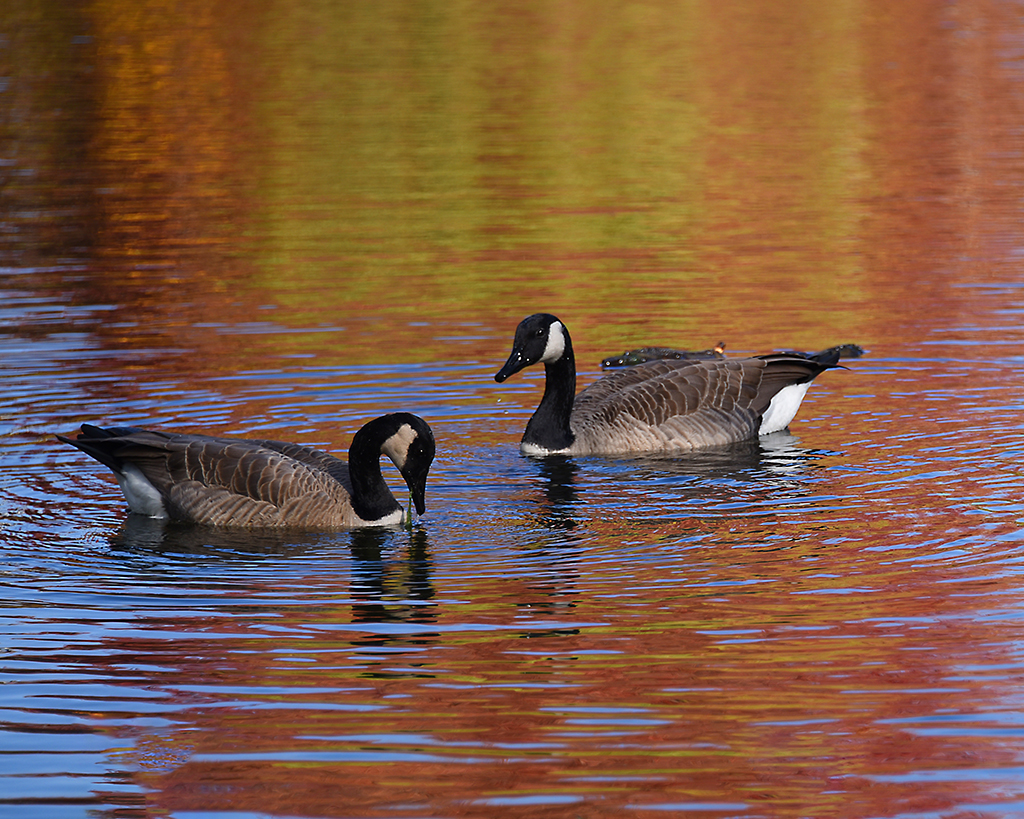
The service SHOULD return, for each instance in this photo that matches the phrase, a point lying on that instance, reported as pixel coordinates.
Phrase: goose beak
(515, 363)
(417, 495)
(415, 464)
(416, 479)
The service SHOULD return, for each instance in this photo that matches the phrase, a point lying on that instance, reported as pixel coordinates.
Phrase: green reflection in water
(476, 156)
(436, 162)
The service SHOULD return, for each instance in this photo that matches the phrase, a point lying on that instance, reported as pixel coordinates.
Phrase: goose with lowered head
(666, 405)
(262, 483)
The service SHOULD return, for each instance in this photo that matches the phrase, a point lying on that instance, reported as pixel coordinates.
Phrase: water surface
(281, 220)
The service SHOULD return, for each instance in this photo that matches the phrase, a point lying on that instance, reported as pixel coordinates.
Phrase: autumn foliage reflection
(240, 191)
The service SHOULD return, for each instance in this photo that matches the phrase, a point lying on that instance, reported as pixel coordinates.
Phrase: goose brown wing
(783, 369)
(217, 481)
(314, 458)
(659, 390)
(683, 404)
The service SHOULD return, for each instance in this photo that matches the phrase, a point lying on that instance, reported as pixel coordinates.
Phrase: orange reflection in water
(773, 176)
(779, 695)
(825, 664)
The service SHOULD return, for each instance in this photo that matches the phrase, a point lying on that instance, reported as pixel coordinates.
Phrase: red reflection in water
(773, 176)
(779, 695)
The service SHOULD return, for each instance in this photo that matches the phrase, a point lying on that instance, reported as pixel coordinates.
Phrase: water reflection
(391, 588)
(557, 476)
(215, 216)
(388, 578)
(744, 471)
(770, 456)
(140, 534)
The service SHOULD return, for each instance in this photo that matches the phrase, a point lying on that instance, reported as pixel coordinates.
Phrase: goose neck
(371, 497)
(549, 429)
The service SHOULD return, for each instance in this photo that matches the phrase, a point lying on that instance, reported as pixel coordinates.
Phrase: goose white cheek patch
(397, 446)
(556, 344)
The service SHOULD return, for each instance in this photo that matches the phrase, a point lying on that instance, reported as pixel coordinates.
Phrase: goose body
(262, 483)
(663, 405)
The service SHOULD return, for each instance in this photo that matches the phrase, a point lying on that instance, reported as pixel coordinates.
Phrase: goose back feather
(631, 358)
(264, 483)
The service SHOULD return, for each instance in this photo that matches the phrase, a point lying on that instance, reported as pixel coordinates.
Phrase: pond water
(282, 219)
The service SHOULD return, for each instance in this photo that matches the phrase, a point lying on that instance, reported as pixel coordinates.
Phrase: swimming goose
(242, 482)
(658, 406)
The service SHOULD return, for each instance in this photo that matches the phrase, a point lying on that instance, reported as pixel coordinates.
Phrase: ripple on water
(674, 627)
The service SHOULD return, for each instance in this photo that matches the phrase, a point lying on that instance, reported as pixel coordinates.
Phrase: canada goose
(241, 482)
(661, 405)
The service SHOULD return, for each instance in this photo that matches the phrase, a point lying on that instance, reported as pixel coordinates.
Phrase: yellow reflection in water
(342, 159)
(794, 174)
(771, 176)
(509, 153)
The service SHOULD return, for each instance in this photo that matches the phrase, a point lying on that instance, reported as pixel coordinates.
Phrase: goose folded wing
(314, 458)
(655, 392)
(674, 404)
(211, 479)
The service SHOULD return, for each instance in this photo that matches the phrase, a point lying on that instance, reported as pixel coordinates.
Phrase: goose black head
(540, 338)
(411, 446)
(409, 442)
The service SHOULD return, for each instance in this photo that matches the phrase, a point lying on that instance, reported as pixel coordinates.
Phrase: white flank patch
(397, 446)
(392, 519)
(143, 498)
(783, 408)
(533, 449)
(556, 344)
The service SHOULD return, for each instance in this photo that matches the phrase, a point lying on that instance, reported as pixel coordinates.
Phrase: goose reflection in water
(142, 534)
(774, 456)
(390, 571)
(392, 597)
(770, 468)
(557, 479)
(389, 587)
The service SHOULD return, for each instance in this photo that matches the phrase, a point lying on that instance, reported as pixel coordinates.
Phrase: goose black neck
(549, 427)
(371, 497)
